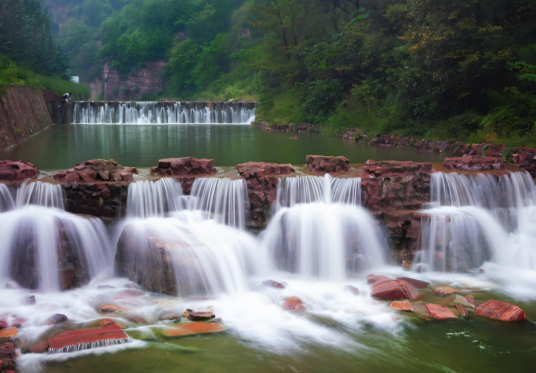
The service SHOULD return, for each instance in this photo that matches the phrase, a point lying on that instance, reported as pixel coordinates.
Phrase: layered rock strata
(474, 163)
(321, 164)
(261, 180)
(183, 169)
(17, 171)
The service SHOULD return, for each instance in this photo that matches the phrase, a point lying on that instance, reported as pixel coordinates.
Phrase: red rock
(352, 289)
(39, 347)
(95, 170)
(136, 319)
(461, 310)
(184, 166)
(71, 177)
(440, 312)
(56, 319)
(273, 284)
(474, 163)
(402, 306)
(3, 324)
(109, 308)
(8, 357)
(86, 177)
(418, 284)
(90, 335)
(374, 169)
(498, 310)
(17, 171)
(193, 328)
(294, 304)
(393, 290)
(371, 279)
(106, 322)
(8, 332)
(321, 164)
(444, 290)
(201, 316)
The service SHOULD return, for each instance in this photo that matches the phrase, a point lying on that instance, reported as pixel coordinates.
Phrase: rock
(405, 265)
(217, 320)
(39, 347)
(444, 290)
(321, 164)
(273, 284)
(461, 310)
(8, 332)
(96, 170)
(474, 163)
(186, 166)
(352, 289)
(261, 181)
(17, 171)
(440, 312)
(464, 301)
(136, 319)
(371, 279)
(129, 293)
(402, 306)
(201, 316)
(418, 284)
(393, 290)
(193, 328)
(109, 308)
(3, 324)
(106, 322)
(62, 341)
(56, 319)
(393, 185)
(498, 310)
(28, 300)
(294, 304)
(8, 357)
(171, 315)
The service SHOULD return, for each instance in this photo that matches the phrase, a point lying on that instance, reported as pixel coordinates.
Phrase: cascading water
(223, 199)
(6, 199)
(158, 113)
(318, 236)
(479, 218)
(148, 198)
(40, 194)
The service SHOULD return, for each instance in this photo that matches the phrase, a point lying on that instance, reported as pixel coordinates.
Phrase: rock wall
(136, 84)
(23, 112)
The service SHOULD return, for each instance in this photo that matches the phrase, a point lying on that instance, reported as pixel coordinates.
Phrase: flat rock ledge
(17, 171)
(186, 166)
(322, 164)
(474, 163)
(96, 170)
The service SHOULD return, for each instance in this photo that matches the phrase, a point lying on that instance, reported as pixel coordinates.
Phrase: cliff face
(23, 112)
(136, 84)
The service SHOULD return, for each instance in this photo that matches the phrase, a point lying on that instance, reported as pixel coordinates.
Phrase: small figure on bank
(67, 96)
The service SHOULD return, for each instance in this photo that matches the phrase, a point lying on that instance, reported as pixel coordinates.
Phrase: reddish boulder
(61, 341)
(393, 290)
(415, 283)
(201, 316)
(261, 181)
(402, 306)
(474, 163)
(8, 332)
(444, 290)
(321, 164)
(96, 170)
(183, 167)
(110, 308)
(294, 304)
(56, 319)
(393, 185)
(352, 289)
(8, 357)
(440, 312)
(193, 328)
(136, 319)
(371, 279)
(273, 284)
(17, 171)
(498, 310)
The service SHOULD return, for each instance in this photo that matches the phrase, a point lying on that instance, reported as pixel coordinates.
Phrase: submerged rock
(56, 319)
(273, 284)
(110, 308)
(402, 306)
(17, 171)
(9, 332)
(322, 164)
(461, 310)
(82, 339)
(393, 290)
(498, 310)
(467, 302)
(444, 290)
(294, 304)
(440, 312)
(418, 284)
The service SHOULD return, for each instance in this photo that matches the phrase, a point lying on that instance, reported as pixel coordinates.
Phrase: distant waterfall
(478, 218)
(162, 113)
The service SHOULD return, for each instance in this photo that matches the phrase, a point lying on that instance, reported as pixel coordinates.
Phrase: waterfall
(160, 113)
(309, 189)
(6, 199)
(320, 231)
(40, 194)
(479, 218)
(154, 198)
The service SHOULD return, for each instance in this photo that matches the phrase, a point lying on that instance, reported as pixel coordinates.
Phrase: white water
(153, 113)
(147, 198)
(483, 218)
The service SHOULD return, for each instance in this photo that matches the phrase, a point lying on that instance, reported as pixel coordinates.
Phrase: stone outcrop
(440, 312)
(444, 290)
(393, 185)
(182, 168)
(81, 336)
(294, 304)
(393, 290)
(417, 284)
(23, 112)
(96, 170)
(261, 180)
(503, 311)
(322, 164)
(474, 163)
(17, 171)
(404, 231)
